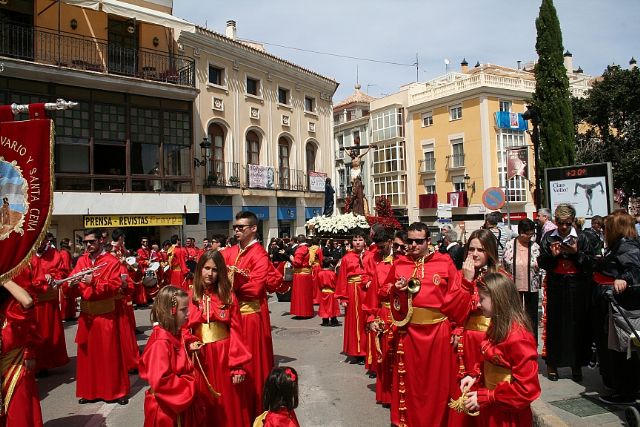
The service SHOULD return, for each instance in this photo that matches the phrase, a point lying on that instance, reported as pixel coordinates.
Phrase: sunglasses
(399, 246)
(416, 241)
(89, 241)
(240, 227)
(564, 222)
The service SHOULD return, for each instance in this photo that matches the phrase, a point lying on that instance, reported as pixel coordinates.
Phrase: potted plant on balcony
(234, 180)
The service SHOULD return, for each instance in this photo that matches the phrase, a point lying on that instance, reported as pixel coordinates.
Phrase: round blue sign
(493, 198)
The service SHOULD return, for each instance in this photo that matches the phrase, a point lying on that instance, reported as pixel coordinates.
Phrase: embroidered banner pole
(26, 182)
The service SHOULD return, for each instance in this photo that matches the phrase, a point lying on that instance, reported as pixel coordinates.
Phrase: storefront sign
(312, 212)
(119, 221)
(261, 177)
(262, 212)
(287, 213)
(317, 181)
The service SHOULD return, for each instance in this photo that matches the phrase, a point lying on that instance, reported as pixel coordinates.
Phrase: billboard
(261, 177)
(588, 188)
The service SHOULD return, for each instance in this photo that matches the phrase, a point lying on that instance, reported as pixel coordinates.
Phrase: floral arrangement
(337, 224)
(384, 215)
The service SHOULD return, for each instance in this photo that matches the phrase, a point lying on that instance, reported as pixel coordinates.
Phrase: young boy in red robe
(329, 309)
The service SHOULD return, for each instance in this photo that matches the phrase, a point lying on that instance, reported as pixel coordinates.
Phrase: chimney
(568, 61)
(231, 29)
(464, 66)
(633, 63)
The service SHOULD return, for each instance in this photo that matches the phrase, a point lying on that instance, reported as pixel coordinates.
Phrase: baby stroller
(624, 336)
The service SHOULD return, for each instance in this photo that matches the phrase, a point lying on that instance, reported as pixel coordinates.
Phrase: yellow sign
(117, 221)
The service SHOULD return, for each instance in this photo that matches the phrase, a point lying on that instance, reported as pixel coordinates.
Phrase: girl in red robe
(280, 399)
(165, 364)
(215, 321)
(20, 403)
(509, 376)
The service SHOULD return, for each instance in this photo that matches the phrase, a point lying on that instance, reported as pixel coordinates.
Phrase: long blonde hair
(165, 306)
(506, 305)
(222, 287)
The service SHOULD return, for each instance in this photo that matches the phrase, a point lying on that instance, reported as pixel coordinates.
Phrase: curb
(543, 415)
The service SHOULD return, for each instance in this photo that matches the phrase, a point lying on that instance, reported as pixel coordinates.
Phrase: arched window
(311, 157)
(253, 148)
(216, 136)
(283, 163)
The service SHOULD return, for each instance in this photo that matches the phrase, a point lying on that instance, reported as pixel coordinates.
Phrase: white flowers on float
(337, 224)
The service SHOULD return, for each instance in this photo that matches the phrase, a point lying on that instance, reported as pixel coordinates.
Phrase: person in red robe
(215, 320)
(164, 271)
(126, 320)
(509, 378)
(101, 372)
(166, 365)
(329, 308)
(177, 261)
(68, 306)
(425, 368)
(357, 270)
(302, 289)
(315, 261)
(21, 402)
(143, 258)
(280, 399)
(52, 351)
(252, 273)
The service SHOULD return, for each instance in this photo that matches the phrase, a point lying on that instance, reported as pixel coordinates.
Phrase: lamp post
(532, 115)
(205, 147)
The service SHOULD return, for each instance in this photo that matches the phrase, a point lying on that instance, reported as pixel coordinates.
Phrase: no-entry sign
(493, 198)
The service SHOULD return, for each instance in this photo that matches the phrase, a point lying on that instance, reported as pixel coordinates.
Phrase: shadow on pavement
(76, 420)
(63, 375)
(281, 360)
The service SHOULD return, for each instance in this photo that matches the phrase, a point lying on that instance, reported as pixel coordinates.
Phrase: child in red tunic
(329, 308)
(165, 363)
(280, 399)
(509, 377)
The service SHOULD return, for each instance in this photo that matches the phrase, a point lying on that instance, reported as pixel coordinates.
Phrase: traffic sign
(493, 198)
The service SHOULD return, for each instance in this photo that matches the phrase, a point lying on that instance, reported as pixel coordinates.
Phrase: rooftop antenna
(446, 65)
(357, 75)
(417, 69)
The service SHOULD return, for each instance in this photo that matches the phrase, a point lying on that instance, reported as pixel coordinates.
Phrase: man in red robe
(67, 304)
(425, 369)
(177, 260)
(143, 258)
(52, 351)
(250, 270)
(302, 289)
(101, 372)
(357, 270)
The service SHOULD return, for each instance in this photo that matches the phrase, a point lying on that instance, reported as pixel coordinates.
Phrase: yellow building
(464, 126)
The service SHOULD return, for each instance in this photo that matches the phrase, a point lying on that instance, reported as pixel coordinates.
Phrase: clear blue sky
(597, 32)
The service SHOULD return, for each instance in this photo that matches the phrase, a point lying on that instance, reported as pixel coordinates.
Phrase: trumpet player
(424, 374)
(101, 371)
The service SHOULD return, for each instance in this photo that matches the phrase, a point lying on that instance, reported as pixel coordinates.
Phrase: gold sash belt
(303, 270)
(212, 332)
(328, 291)
(477, 322)
(11, 366)
(50, 295)
(354, 279)
(387, 305)
(101, 306)
(427, 316)
(250, 307)
(494, 375)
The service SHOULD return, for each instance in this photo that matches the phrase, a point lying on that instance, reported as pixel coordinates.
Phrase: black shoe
(386, 405)
(325, 322)
(617, 399)
(334, 322)
(123, 401)
(42, 373)
(83, 401)
(139, 331)
(133, 371)
(360, 360)
(372, 375)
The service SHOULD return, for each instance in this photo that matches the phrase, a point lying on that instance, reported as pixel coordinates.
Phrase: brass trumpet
(78, 275)
(413, 285)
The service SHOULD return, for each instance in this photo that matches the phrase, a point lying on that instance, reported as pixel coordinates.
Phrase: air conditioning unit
(218, 104)
(312, 127)
(286, 120)
(254, 113)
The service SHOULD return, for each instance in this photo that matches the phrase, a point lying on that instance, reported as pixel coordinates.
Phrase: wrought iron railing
(455, 161)
(292, 179)
(42, 45)
(223, 174)
(427, 165)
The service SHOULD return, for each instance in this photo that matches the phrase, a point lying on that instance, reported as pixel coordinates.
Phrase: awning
(138, 13)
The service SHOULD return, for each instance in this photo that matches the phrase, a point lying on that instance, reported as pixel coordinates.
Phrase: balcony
(223, 174)
(342, 192)
(455, 161)
(292, 180)
(427, 165)
(45, 46)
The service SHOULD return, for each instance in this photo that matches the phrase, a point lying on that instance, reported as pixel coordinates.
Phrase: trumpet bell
(413, 285)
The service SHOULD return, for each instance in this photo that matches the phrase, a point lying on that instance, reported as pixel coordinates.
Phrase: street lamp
(532, 115)
(205, 147)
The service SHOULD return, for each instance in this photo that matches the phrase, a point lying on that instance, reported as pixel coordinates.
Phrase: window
(427, 119)
(429, 162)
(283, 96)
(309, 104)
(457, 153)
(393, 187)
(145, 140)
(389, 158)
(455, 112)
(516, 187)
(216, 136)
(387, 124)
(356, 137)
(505, 106)
(283, 162)
(311, 157)
(430, 186)
(253, 148)
(253, 86)
(72, 139)
(458, 183)
(216, 75)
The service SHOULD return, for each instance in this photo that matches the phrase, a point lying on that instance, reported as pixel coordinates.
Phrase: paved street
(332, 393)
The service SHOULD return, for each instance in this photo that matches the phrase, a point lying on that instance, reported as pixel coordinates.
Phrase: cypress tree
(552, 98)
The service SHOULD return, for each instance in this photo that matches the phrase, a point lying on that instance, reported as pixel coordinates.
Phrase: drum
(150, 279)
(131, 262)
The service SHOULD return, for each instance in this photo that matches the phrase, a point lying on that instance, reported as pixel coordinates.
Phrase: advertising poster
(517, 161)
(317, 181)
(589, 188)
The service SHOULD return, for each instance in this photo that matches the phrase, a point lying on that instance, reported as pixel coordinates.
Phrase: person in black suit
(451, 246)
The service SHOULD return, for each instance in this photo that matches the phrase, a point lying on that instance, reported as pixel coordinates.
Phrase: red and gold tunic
(302, 291)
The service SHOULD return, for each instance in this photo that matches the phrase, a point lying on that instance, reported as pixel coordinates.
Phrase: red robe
(126, 320)
(101, 371)
(508, 404)
(355, 275)
(424, 350)
(19, 338)
(253, 273)
(166, 366)
(67, 304)
(178, 270)
(329, 306)
(315, 260)
(140, 296)
(220, 360)
(52, 351)
(283, 417)
(302, 290)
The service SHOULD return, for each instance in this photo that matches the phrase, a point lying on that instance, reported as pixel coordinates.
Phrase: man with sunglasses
(177, 260)
(101, 372)
(423, 346)
(253, 275)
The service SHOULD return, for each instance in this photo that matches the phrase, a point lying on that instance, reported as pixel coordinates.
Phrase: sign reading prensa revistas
(26, 189)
